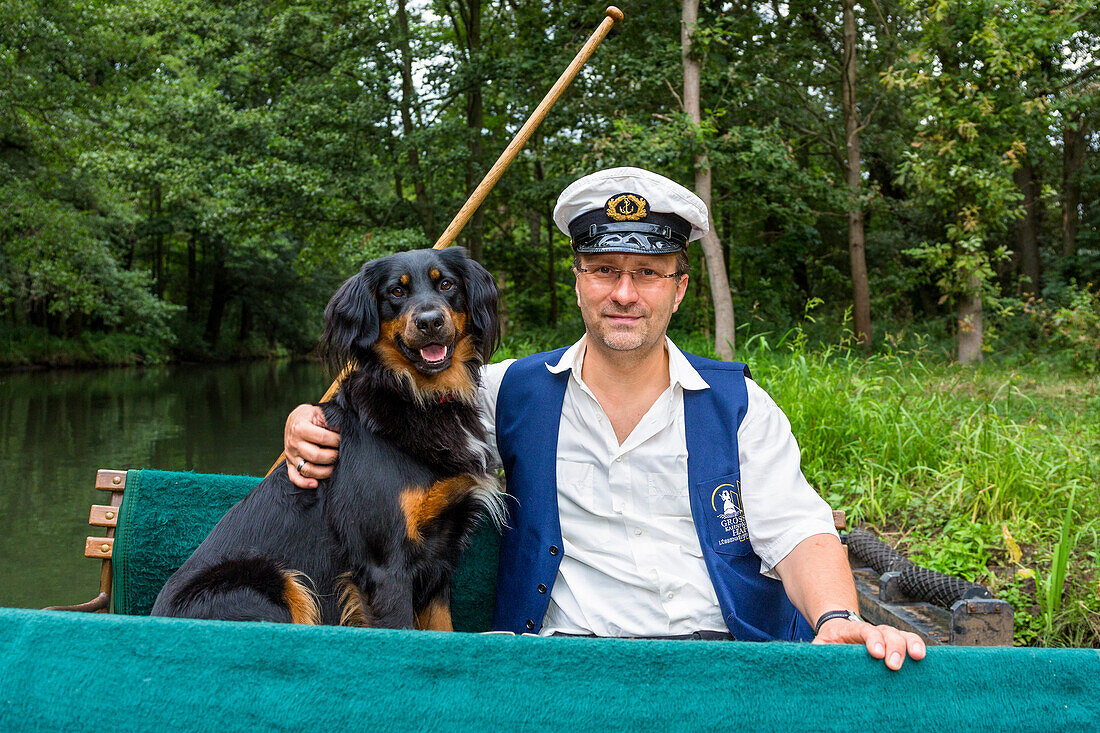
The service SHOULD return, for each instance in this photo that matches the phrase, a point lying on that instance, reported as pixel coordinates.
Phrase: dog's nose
(430, 323)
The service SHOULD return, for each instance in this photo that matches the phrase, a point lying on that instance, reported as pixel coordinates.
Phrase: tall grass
(950, 459)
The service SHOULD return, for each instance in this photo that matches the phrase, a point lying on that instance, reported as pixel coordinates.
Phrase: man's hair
(683, 264)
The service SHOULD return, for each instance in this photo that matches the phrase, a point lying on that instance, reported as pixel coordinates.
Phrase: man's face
(628, 314)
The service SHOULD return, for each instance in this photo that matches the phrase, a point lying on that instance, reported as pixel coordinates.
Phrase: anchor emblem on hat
(627, 207)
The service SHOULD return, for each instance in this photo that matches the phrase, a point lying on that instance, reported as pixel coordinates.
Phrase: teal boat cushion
(66, 671)
(165, 515)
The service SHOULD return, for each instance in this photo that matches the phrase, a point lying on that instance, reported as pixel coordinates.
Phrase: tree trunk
(861, 292)
(192, 278)
(1073, 153)
(1027, 230)
(536, 236)
(970, 322)
(219, 294)
(724, 333)
(412, 155)
(155, 203)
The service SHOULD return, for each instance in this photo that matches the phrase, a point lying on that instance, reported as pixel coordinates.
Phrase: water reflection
(58, 427)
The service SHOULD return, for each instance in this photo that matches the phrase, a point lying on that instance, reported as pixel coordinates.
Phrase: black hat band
(660, 233)
(597, 234)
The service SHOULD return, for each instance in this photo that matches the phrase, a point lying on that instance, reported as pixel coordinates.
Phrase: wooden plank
(103, 516)
(99, 547)
(108, 480)
(839, 519)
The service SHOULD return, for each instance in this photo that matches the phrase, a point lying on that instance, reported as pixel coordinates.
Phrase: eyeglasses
(606, 275)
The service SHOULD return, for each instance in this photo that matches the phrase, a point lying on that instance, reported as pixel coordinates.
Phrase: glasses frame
(634, 274)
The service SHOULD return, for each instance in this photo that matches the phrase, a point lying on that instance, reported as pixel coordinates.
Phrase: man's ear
(351, 320)
(681, 291)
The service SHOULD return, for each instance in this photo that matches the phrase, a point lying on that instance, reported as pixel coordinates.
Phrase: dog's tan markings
(300, 599)
(455, 381)
(404, 280)
(434, 273)
(436, 617)
(353, 611)
(423, 505)
(386, 346)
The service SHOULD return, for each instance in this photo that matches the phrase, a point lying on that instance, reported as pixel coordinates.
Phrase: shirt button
(553, 549)
(637, 530)
(542, 587)
(618, 459)
(530, 624)
(670, 595)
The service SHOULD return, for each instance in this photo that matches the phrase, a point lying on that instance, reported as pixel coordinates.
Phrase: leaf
(1014, 552)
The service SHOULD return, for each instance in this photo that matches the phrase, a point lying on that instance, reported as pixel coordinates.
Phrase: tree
(861, 293)
(724, 333)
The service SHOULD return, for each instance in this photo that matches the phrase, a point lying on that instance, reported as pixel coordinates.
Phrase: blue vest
(529, 407)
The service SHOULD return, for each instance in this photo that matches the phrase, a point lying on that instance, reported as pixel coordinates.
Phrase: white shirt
(632, 564)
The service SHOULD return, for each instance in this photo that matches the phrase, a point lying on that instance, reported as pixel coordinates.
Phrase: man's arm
(817, 579)
(308, 437)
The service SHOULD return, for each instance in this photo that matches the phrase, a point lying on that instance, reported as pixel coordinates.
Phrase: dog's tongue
(434, 353)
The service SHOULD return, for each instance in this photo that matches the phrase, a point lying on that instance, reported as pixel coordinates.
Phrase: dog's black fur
(377, 543)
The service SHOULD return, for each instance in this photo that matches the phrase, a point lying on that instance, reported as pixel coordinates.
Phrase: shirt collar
(680, 370)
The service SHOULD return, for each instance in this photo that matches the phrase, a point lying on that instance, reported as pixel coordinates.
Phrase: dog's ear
(481, 300)
(351, 320)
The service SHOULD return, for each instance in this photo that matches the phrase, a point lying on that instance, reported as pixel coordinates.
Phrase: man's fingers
(895, 648)
(915, 644)
(876, 644)
(315, 434)
(298, 479)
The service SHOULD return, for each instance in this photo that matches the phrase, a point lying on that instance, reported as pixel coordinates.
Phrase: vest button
(553, 549)
(530, 625)
(542, 587)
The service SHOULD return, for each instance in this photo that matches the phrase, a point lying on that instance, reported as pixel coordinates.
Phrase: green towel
(68, 671)
(165, 515)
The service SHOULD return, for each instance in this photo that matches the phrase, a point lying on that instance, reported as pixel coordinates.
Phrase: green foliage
(961, 548)
(1055, 582)
(1073, 329)
(945, 456)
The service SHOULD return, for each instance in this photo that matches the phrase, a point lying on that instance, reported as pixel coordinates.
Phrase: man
(657, 494)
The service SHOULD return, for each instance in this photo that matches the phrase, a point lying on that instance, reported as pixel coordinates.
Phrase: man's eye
(397, 292)
(604, 270)
(446, 284)
(646, 272)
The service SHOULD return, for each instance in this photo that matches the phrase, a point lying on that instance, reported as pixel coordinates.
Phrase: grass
(987, 472)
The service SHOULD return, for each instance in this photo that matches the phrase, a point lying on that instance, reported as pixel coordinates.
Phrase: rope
(919, 583)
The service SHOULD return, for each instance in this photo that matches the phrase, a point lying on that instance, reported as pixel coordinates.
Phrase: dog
(377, 543)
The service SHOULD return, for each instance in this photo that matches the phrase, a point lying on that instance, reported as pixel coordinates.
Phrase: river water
(57, 427)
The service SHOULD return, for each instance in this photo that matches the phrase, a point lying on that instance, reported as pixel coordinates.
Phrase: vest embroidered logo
(734, 528)
(627, 207)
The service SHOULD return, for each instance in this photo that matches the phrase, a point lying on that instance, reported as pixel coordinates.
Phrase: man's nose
(625, 291)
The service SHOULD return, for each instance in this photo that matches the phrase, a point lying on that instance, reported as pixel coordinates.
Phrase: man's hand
(882, 642)
(308, 437)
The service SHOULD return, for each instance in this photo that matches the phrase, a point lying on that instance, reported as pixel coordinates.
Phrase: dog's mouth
(429, 358)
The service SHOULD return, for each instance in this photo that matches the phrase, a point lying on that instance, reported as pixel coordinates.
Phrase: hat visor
(628, 242)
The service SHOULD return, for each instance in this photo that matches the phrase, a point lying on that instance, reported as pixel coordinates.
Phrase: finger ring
(300, 464)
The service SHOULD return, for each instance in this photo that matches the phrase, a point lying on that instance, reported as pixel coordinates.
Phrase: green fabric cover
(165, 515)
(69, 671)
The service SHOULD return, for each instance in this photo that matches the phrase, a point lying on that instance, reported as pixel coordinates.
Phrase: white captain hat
(629, 210)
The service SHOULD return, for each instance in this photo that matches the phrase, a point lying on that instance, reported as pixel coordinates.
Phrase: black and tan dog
(377, 543)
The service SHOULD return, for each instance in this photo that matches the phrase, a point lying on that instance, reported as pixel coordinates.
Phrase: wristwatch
(829, 615)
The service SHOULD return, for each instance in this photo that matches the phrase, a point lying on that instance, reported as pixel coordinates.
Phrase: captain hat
(629, 210)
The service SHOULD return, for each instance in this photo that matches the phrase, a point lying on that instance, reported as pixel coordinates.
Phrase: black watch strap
(829, 615)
